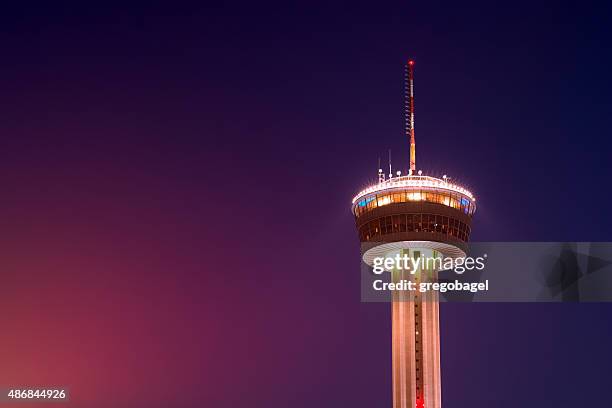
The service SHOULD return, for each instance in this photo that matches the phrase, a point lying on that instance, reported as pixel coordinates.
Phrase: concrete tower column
(416, 340)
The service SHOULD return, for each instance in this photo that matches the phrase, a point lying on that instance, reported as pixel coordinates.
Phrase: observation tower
(418, 216)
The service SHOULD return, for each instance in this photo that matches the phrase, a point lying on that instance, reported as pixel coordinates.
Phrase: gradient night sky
(176, 184)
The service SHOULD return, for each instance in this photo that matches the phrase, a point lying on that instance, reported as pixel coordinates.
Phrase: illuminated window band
(414, 188)
(432, 223)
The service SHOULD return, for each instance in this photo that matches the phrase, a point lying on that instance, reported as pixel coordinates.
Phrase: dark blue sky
(191, 167)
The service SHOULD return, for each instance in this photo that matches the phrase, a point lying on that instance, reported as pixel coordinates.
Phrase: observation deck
(414, 208)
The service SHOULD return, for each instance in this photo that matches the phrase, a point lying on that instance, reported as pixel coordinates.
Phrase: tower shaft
(416, 343)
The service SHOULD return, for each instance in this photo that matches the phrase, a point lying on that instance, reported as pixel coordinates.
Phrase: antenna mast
(409, 106)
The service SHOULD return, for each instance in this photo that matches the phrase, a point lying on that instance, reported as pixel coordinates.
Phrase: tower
(417, 216)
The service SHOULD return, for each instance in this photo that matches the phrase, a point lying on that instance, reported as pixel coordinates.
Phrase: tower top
(409, 106)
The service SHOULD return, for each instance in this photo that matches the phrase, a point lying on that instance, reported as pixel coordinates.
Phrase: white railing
(414, 182)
